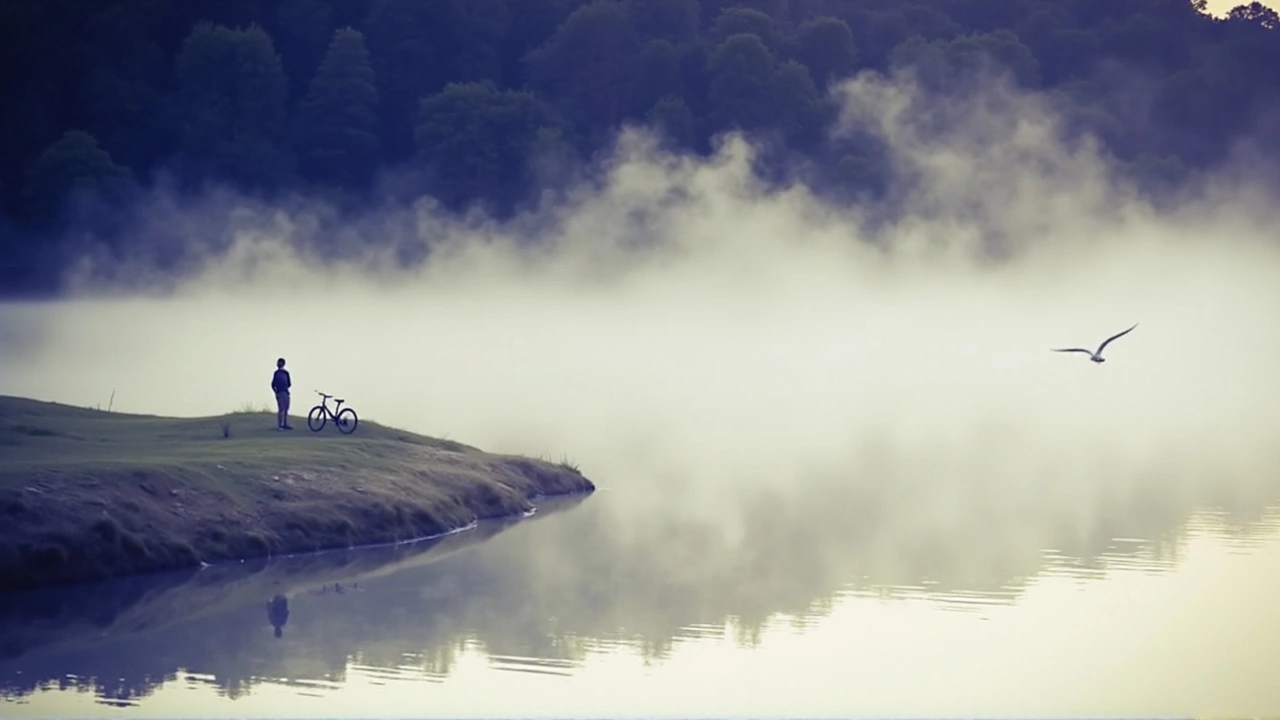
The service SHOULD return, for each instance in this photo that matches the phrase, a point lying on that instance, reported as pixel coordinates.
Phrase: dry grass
(86, 494)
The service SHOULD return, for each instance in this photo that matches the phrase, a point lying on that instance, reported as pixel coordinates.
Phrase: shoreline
(53, 619)
(92, 495)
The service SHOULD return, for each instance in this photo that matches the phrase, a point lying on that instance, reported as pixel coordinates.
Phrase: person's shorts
(282, 401)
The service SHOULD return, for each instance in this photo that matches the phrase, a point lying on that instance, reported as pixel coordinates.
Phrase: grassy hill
(87, 494)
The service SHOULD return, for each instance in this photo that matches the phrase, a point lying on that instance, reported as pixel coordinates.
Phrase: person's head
(280, 363)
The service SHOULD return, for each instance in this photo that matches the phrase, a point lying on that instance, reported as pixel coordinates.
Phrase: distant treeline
(487, 101)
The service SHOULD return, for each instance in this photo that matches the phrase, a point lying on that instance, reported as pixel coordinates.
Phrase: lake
(1138, 606)
(831, 483)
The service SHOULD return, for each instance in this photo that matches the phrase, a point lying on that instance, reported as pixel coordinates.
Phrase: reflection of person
(280, 384)
(278, 613)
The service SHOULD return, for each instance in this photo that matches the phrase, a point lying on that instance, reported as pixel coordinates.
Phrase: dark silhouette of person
(278, 613)
(280, 384)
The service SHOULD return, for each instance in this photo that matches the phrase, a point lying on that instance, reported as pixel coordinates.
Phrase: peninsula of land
(87, 494)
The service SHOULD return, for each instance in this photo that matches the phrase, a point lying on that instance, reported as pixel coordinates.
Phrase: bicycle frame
(345, 419)
(324, 405)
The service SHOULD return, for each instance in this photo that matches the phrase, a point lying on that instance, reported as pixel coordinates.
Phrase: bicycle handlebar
(323, 395)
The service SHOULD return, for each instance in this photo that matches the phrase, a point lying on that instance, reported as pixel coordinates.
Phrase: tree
(123, 94)
(40, 82)
(673, 20)
(738, 20)
(660, 74)
(1083, 107)
(531, 25)
(1200, 112)
(74, 165)
(1256, 13)
(779, 10)
(947, 66)
(338, 119)
(589, 67)
(877, 35)
(929, 22)
(481, 29)
(1005, 49)
(980, 16)
(232, 101)
(671, 117)
(798, 110)
(1158, 175)
(477, 139)
(301, 31)
(825, 46)
(1064, 52)
(1146, 40)
(741, 83)
(694, 61)
(413, 48)
(859, 174)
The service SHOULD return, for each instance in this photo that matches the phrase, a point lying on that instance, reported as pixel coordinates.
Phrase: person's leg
(282, 409)
(284, 412)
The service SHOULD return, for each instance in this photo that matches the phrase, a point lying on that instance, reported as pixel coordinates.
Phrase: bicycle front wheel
(316, 419)
(347, 421)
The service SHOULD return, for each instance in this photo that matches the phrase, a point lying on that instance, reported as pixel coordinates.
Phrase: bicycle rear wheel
(347, 421)
(316, 419)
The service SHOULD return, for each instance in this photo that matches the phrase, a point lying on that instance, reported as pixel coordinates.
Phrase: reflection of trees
(437, 662)
(595, 577)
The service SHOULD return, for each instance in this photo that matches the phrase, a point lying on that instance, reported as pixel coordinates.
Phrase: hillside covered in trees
(487, 102)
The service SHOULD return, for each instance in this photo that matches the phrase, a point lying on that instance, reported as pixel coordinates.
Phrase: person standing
(280, 384)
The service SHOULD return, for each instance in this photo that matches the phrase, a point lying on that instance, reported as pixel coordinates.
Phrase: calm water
(1143, 607)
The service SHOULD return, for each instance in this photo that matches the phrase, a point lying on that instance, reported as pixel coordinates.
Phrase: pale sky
(1222, 7)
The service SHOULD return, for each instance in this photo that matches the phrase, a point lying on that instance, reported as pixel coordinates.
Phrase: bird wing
(1086, 352)
(1113, 337)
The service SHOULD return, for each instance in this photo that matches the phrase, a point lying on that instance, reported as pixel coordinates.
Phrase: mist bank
(90, 495)
(699, 335)
(997, 166)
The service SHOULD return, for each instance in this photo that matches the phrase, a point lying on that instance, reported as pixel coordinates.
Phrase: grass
(87, 494)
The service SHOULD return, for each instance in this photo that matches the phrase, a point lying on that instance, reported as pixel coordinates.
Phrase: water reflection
(124, 637)
(278, 613)
(538, 597)
(1132, 554)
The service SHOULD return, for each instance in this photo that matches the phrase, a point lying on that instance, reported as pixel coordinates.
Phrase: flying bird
(1096, 355)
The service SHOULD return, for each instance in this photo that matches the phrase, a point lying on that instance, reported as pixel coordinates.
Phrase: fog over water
(760, 381)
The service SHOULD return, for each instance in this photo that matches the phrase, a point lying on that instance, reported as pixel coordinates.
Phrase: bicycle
(344, 418)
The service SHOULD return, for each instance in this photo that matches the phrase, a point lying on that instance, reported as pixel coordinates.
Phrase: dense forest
(485, 103)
